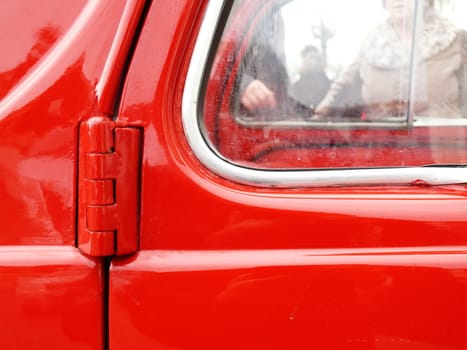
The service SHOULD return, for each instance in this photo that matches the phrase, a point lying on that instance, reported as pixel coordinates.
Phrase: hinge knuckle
(99, 192)
(99, 244)
(108, 182)
(100, 135)
(100, 166)
(101, 218)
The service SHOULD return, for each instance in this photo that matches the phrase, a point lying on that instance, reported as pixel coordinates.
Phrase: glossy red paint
(50, 297)
(291, 299)
(75, 76)
(62, 62)
(179, 195)
(223, 265)
(108, 185)
(30, 29)
(213, 273)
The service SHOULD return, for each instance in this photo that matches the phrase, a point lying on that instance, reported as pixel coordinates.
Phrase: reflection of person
(264, 80)
(385, 58)
(313, 83)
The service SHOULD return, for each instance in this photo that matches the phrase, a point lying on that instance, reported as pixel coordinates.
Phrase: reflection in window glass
(340, 84)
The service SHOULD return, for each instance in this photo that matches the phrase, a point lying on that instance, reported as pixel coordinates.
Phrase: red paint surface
(290, 299)
(50, 297)
(222, 265)
(75, 76)
(61, 63)
(226, 266)
(185, 206)
(108, 188)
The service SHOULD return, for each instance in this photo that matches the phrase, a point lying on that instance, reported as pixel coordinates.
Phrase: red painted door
(61, 64)
(225, 265)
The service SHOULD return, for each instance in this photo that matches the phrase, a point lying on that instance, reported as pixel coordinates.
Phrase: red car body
(206, 262)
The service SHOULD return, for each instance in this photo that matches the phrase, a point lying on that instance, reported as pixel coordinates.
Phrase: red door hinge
(108, 187)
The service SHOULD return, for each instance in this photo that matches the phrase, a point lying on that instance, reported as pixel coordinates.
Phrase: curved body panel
(62, 62)
(290, 299)
(50, 297)
(228, 265)
(76, 75)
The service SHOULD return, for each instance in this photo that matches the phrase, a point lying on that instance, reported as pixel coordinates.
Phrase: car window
(339, 84)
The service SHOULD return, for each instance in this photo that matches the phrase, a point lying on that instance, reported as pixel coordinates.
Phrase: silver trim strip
(394, 124)
(329, 125)
(285, 178)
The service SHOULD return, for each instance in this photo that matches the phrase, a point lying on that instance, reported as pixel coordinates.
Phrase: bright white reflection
(303, 20)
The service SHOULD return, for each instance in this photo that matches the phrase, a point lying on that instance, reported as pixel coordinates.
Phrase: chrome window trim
(322, 124)
(393, 123)
(284, 178)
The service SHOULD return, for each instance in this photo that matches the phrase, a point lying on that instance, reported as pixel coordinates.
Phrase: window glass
(339, 84)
